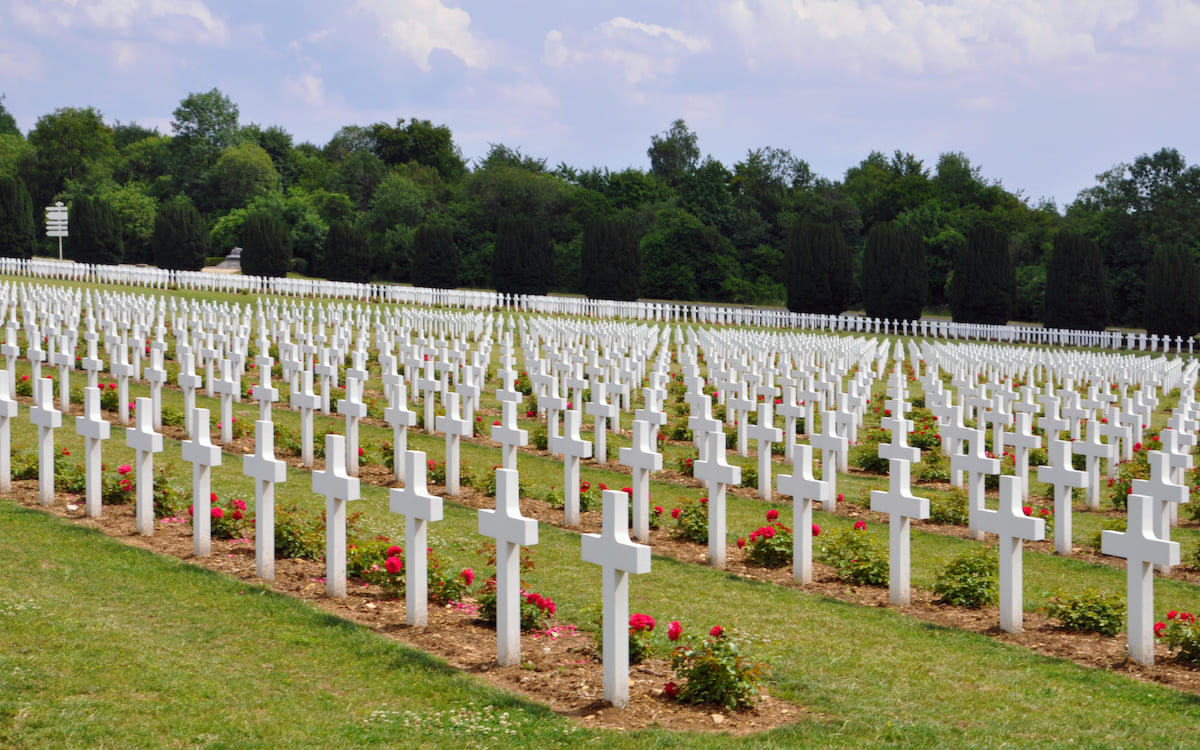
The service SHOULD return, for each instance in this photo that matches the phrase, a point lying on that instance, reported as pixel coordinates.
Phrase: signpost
(56, 223)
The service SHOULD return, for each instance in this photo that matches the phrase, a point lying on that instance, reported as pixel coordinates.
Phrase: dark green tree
(893, 272)
(435, 257)
(8, 123)
(266, 245)
(983, 286)
(95, 232)
(523, 259)
(419, 141)
(673, 154)
(817, 269)
(73, 146)
(610, 258)
(1172, 293)
(347, 253)
(1076, 293)
(18, 230)
(180, 240)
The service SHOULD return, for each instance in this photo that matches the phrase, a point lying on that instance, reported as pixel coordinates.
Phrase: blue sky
(1042, 94)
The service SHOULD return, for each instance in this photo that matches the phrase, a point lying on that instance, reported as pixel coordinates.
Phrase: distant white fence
(155, 278)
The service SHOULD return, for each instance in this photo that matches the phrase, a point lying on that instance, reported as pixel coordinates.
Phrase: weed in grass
(970, 580)
(1090, 610)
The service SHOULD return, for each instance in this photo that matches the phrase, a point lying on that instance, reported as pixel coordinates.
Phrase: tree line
(398, 202)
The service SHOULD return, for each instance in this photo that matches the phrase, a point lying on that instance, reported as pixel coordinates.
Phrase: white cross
(511, 531)
(267, 471)
(123, 370)
(1141, 550)
(1162, 492)
(307, 402)
(400, 417)
(8, 410)
(263, 391)
(508, 434)
(791, 411)
(225, 388)
(48, 419)
(1060, 473)
(900, 505)
(1093, 450)
(145, 443)
(602, 411)
(740, 404)
(64, 359)
(203, 455)
(353, 409)
(325, 370)
(714, 470)
(188, 381)
(803, 489)
(94, 430)
(156, 375)
(338, 487)
(91, 363)
(641, 458)
(1180, 459)
(455, 428)
(429, 386)
(1023, 441)
(1013, 527)
(701, 423)
(833, 446)
(573, 448)
(976, 465)
(765, 433)
(418, 507)
(617, 556)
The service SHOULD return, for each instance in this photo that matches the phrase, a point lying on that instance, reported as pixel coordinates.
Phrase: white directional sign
(56, 220)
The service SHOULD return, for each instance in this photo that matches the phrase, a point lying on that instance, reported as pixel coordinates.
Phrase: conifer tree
(435, 257)
(95, 232)
(266, 245)
(1172, 288)
(893, 272)
(983, 287)
(347, 253)
(180, 240)
(523, 258)
(610, 259)
(817, 269)
(18, 229)
(1076, 295)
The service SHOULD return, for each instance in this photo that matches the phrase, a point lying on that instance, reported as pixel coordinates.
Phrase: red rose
(674, 630)
(717, 631)
(772, 514)
(860, 525)
(394, 565)
(816, 530)
(394, 551)
(671, 690)
(676, 513)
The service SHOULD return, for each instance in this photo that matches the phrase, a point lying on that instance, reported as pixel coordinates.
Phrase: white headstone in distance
(511, 531)
(617, 556)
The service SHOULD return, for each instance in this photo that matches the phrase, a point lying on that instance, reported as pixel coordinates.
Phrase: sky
(1042, 95)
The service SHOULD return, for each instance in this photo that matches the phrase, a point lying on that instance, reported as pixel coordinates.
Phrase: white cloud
(919, 36)
(641, 52)
(308, 88)
(418, 27)
(19, 60)
(172, 21)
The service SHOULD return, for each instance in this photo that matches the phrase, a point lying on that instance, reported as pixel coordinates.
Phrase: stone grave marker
(418, 508)
(338, 487)
(803, 489)
(976, 465)
(572, 448)
(1060, 473)
(511, 531)
(1163, 493)
(717, 474)
(617, 556)
(1013, 527)
(145, 443)
(354, 410)
(764, 433)
(455, 428)
(8, 410)
(188, 382)
(94, 430)
(508, 434)
(203, 456)
(400, 417)
(899, 503)
(1141, 550)
(306, 401)
(1093, 450)
(48, 419)
(225, 387)
(642, 458)
(266, 470)
(602, 411)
